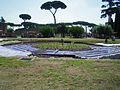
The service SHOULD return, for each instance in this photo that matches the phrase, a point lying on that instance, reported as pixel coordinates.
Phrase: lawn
(59, 74)
(61, 46)
(82, 40)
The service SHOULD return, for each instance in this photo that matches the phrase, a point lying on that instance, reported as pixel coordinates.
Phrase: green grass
(9, 42)
(53, 45)
(83, 40)
(12, 63)
(59, 74)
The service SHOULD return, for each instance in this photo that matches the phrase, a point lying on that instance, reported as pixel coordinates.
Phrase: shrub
(76, 31)
(102, 31)
(47, 31)
(61, 29)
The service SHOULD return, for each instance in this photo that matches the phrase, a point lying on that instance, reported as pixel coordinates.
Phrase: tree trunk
(54, 19)
(86, 30)
(110, 21)
(54, 15)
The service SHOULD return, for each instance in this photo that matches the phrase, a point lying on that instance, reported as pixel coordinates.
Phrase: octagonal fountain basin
(96, 52)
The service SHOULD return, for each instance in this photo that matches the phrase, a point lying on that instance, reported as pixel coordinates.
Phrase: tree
(61, 28)
(25, 17)
(2, 20)
(53, 5)
(86, 24)
(47, 31)
(10, 32)
(113, 7)
(109, 11)
(102, 31)
(117, 22)
(76, 31)
(12, 25)
(29, 25)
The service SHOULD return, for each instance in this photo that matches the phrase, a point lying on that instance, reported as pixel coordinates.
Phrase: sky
(77, 10)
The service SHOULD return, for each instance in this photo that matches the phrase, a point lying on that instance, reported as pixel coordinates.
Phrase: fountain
(96, 52)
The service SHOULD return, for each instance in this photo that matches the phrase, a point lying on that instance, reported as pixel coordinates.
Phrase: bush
(47, 31)
(76, 31)
(102, 31)
(61, 29)
(10, 33)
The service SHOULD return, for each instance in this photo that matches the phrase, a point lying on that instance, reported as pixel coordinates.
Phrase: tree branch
(53, 15)
(55, 11)
(51, 12)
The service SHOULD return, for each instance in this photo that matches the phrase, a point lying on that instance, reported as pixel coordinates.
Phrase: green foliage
(2, 20)
(30, 25)
(10, 30)
(117, 22)
(53, 5)
(76, 31)
(112, 7)
(84, 23)
(62, 30)
(47, 31)
(102, 31)
(25, 17)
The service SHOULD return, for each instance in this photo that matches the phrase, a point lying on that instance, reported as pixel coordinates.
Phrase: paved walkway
(108, 45)
(7, 52)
